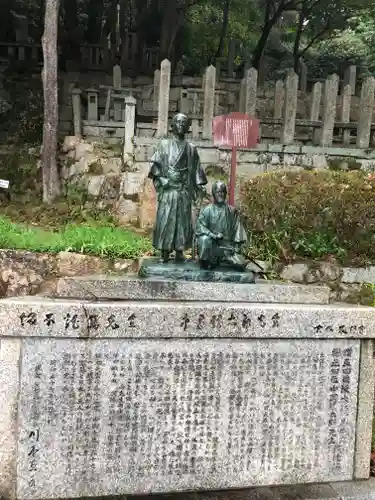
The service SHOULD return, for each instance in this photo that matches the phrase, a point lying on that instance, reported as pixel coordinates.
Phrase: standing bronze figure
(179, 181)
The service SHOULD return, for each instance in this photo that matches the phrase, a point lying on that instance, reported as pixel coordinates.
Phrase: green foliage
(24, 120)
(352, 45)
(371, 287)
(311, 214)
(19, 167)
(333, 33)
(203, 27)
(95, 239)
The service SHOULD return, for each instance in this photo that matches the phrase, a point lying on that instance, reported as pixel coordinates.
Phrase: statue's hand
(164, 182)
(219, 236)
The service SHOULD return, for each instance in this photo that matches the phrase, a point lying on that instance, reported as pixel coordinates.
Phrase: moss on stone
(344, 163)
(95, 168)
(20, 168)
(364, 296)
(216, 172)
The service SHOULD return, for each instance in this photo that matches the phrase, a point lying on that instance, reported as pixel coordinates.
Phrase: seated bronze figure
(219, 233)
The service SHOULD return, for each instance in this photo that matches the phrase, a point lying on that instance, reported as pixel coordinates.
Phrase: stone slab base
(191, 271)
(134, 288)
(350, 490)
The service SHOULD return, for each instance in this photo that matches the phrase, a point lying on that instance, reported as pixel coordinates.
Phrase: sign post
(236, 130)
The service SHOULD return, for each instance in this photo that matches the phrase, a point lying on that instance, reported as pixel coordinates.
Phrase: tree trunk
(224, 29)
(51, 179)
(297, 41)
(269, 22)
(71, 47)
(169, 29)
(95, 11)
(260, 46)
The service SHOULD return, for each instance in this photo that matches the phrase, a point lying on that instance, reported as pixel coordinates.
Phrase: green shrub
(313, 214)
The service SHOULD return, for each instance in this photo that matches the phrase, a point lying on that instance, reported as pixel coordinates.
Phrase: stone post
(231, 57)
(77, 112)
(262, 71)
(279, 100)
(92, 104)
(117, 108)
(117, 102)
(163, 101)
(156, 88)
(251, 78)
(209, 102)
(350, 77)
(129, 130)
(117, 78)
(290, 107)
(217, 104)
(345, 112)
(218, 64)
(241, 101)
(366, 107)
(316, 99)
(302, 76)
(195, 128)
(331, 87)
(247, 60)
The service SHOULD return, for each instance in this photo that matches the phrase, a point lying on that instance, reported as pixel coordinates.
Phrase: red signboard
(236, 130)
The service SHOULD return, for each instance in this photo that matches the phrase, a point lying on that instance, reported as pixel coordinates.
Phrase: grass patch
(95, 239)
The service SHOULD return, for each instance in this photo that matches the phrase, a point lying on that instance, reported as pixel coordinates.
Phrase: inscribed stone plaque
(107, 417)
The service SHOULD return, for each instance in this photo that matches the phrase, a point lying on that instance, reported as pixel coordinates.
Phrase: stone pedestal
(182, 386)
(191, 271)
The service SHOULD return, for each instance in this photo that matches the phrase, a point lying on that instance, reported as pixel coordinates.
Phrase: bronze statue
(219, 233)
(179, 181)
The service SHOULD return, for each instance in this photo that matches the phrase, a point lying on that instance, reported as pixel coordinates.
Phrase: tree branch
(267, 12)
(311, 8)
(315, 38)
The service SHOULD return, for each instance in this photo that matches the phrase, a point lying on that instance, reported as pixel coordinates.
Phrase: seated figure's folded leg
(205, 246)
(236, 260)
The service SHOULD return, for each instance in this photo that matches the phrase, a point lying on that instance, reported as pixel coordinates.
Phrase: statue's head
(180, 125)
(219, 192)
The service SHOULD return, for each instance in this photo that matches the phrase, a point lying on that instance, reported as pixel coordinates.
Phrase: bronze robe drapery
(177, 174)
(223, 219)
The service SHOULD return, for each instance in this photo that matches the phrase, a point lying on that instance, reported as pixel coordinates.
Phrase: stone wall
(27, 273)
(99, 167)
(347, 284)
(269, 157)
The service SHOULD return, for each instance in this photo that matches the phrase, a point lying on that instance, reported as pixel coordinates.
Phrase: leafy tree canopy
(327, 34)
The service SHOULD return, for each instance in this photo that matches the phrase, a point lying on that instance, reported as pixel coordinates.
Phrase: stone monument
(180, 182)
(118, 386)
(170, 393)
